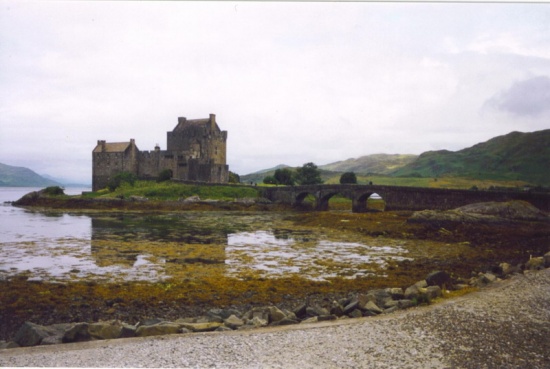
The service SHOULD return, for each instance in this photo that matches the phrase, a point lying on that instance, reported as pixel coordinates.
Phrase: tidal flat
(138, 265)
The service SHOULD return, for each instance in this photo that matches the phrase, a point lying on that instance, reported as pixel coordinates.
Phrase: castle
(196, 151)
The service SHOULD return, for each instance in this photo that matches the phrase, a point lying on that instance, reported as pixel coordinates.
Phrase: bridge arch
(361, 202)
(299, 200)
(324, 199)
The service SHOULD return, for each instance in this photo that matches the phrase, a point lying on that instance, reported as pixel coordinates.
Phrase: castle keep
(196, 151)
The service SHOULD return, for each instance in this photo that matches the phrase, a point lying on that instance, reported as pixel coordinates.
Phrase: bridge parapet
(400, 197)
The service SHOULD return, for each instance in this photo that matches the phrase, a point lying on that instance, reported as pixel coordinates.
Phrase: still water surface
(54, 245)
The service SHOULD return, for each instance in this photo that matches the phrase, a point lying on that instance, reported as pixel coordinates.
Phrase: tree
(284, 176)
(308, 174)
(270, 180)
(234, 177)
(348, 177)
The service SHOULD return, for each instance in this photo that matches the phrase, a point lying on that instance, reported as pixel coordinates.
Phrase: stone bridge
(397, 197)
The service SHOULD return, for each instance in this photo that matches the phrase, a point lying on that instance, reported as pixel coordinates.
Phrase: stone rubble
(375, 302)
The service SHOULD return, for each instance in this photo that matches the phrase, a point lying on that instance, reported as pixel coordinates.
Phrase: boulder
(356, 313)
(76, 333)
(233, 322)
(337, 309)
(395, 293)
(158, 329)
(260, 312)
(316, 311)
(223, 328)
(31, 334)
(405, 304)
(421, 284)
(391, 309)
(438, 278)
(275, 314)
(313, 319)
(286, 321)
(300, 310)
(324, 318)
(200, 327)
(128, 330)
(379, 297)
(192, 200)
(8, 345)
(105, 330)
(535, 263)
(256, 322)
(486, 279)
(433, 292)
(373, 308)
(223, 313)
(414, 292)
(354, 304)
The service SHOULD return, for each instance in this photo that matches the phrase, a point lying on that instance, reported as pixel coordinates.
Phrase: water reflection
(280, 253)
(135, 246)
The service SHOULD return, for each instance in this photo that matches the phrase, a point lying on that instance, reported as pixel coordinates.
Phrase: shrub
(234, 177)
(54, 191)
(120, 178)
(165, 175)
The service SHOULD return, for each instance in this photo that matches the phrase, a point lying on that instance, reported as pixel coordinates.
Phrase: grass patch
(171, 191)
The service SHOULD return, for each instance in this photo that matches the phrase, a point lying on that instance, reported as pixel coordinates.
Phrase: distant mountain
(515, 156)
(66, 182)
(376, 163)
(22, 177)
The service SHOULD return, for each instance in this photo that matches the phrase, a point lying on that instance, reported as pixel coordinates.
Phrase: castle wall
(196, 151)
(107, 164)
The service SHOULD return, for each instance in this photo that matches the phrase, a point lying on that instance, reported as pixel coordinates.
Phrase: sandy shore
(506, 325)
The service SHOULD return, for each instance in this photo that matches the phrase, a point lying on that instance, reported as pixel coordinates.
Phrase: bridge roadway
(398, 197)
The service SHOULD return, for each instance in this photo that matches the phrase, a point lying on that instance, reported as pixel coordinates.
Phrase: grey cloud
(525, 98)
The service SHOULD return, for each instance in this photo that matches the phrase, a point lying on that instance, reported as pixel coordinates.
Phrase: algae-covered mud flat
(59, 266)
(118, 247)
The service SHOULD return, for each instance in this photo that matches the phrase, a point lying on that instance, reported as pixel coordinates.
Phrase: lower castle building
(196, 151)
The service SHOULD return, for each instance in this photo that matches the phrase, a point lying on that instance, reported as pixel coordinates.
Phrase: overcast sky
(290, 82)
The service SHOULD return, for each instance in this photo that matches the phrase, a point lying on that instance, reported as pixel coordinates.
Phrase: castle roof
(112, 146)
(191, 122)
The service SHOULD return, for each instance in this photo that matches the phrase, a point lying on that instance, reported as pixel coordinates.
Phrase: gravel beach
(506, 325)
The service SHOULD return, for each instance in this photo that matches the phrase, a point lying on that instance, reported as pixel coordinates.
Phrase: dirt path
(504, 326)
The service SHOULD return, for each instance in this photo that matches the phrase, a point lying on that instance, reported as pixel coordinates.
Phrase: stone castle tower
(196, 151)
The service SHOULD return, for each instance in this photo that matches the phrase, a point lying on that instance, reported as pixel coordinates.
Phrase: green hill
(515, 156)
(376, 163)
(22, 177)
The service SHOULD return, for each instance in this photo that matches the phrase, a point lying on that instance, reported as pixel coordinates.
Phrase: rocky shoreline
(372, 303)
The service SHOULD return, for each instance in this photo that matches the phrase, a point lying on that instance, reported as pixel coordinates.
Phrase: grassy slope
(515, 156)
(376, 163)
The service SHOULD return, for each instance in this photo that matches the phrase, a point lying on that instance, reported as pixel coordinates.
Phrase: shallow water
(156, 246)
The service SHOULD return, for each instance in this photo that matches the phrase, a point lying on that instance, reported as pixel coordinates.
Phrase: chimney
(212, 121)
(102, 144)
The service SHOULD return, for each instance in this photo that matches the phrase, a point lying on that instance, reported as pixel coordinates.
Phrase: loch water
(134, 246)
